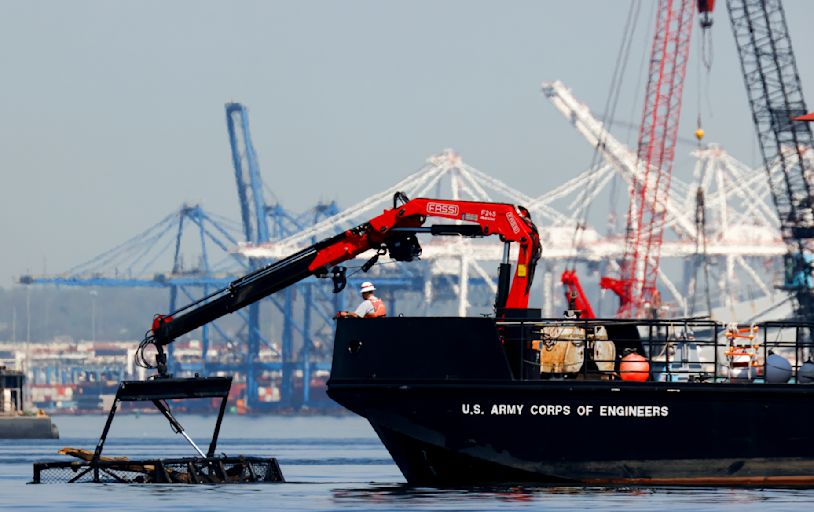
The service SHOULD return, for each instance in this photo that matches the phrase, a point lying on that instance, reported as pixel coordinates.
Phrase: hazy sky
(111, 113)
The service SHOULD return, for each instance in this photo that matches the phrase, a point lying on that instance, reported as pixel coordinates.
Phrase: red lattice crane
(636, 285)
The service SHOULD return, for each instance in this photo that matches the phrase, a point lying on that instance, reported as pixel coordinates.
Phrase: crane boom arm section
(393, 231)
(775, 95)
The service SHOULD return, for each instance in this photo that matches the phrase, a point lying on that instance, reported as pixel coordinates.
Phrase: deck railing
(674, 350)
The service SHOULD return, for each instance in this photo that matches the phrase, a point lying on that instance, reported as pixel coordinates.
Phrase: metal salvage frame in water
(206, 468)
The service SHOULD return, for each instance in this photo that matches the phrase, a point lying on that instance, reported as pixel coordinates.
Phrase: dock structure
(14, 422)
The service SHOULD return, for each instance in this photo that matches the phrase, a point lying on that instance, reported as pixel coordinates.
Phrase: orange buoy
(634, 367)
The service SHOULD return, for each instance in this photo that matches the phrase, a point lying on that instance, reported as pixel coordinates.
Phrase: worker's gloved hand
(341, 314)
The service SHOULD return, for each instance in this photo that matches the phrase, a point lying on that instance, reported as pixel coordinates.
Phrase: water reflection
(556, 497)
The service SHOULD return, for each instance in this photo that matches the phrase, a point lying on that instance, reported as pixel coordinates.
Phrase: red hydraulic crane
(393, 232)
(636, 285)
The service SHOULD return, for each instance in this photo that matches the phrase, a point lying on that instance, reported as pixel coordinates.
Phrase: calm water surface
(330, 463)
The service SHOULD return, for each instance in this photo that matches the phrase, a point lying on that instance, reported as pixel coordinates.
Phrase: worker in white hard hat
(371, 306)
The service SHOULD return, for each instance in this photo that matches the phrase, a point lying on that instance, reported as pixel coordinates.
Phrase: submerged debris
(190, 470)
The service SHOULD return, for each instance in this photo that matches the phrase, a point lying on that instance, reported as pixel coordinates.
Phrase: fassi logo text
(450, 210)
(512, 222)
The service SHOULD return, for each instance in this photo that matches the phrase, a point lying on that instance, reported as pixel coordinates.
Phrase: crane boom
(658, 133)
(612, 149)
(652, 170)
(776, 98)
(393, 232)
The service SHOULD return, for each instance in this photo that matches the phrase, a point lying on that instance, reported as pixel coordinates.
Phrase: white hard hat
(367, 286)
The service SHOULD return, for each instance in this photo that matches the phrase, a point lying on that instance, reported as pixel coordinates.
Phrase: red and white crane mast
(658, 132)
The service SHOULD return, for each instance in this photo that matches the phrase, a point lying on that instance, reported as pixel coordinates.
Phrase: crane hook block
(705, 8)
(339, 278)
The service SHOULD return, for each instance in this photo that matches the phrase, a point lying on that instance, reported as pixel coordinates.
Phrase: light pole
(93, 294)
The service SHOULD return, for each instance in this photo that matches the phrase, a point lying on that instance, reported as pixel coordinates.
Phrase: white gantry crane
(741, 233)
(740, 226)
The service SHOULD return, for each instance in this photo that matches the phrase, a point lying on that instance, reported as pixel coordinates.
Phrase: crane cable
(705, 51)
(701, 256)
(611, 103)
(705, 58)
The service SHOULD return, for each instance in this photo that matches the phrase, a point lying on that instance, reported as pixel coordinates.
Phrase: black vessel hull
(444, 401)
